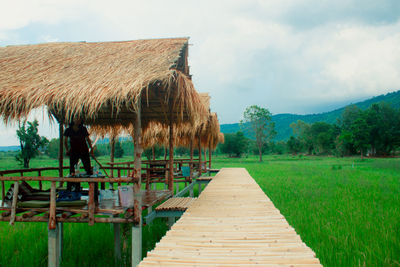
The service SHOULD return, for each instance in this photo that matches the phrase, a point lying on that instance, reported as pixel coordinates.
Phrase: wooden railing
(49, 214)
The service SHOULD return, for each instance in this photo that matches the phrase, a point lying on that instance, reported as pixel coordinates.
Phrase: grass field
(345, 209)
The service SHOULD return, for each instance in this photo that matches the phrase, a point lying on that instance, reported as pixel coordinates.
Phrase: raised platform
(232, 223)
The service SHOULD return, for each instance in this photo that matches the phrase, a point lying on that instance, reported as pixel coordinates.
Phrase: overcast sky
(290, 56)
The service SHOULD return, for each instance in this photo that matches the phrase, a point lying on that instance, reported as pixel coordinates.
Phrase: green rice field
(346, 209)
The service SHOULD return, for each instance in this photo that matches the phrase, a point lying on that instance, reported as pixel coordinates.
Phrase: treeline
(372, 132)
(122, 148)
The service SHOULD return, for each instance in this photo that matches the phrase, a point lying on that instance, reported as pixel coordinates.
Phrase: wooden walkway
(232, 223)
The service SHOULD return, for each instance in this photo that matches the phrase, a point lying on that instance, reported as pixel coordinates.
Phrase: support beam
(200, 156)
(52, 212)
(112, 152)
(209, 154)
(53, 250)
(14, 203)
(137, 205)
(61, 151)
(136, 244)
(171, 221)
(117, 244)
(171, 156)
(3, 193)
(60, 240)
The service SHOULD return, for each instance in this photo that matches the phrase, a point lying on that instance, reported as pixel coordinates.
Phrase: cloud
(288, 56)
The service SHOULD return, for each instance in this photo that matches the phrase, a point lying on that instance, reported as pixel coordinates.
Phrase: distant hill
(283, 121)
(9, 148)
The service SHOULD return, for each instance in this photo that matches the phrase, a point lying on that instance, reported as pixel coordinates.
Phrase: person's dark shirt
(77, 140)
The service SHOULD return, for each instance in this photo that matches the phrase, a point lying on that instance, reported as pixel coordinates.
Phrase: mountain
(283, 121)
(9, 148)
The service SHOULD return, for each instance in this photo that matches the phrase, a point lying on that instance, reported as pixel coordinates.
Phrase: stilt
(177, 188)
(61, 151)
(136, 244)
(209, 154)
(137, 198)
(60, 226)
(53, 249)
(199, 189)
(171, 154)
(200, 156)
(171, 221)
(154, 186)
(191, 192)
(117, 244)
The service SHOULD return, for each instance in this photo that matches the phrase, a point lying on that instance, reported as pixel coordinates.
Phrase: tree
(384, 128)
(360, 133)
(294, 145)
(119, 151)
(302, 131)
(235, 144)
(260, 123)
(52, 148)
(30, 141)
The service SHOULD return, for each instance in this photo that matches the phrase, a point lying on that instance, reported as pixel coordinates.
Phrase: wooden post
(200, 156)
(209, 154)
(91, 205)
(53, 249)
(61, 151)
(52, 215)
(40, 182)
(3, 193)
(171, 156)
(171, 221)
(53, 235)
(205, 159)
(14, 203)
(117, 244)
(137, 205)
(60, 227)
(112, 151)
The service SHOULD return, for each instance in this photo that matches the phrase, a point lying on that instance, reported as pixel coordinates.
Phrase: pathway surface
(232, 223)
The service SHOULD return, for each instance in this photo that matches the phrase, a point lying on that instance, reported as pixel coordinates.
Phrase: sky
(290, 56)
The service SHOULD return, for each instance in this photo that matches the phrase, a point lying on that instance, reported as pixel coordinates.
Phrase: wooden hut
(130, 84)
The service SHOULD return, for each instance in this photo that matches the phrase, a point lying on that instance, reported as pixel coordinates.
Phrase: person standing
(77, 144)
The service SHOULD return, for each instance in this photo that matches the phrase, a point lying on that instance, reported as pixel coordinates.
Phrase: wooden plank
(52, 211)
(92, 204)
(14, 203)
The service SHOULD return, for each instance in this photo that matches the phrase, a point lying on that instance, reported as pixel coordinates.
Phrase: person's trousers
(73, 160)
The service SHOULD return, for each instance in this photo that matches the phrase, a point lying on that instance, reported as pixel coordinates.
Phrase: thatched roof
(100, 82)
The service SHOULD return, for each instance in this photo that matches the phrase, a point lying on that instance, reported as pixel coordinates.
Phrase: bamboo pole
(137, 172)
(14, 203)
(209, 154)
(61, 151)
(137, 205)
(3, 193)
(200, 156)
(91, 206)
(52, 216)
(205, 158)
(112, 144)
(171, 156)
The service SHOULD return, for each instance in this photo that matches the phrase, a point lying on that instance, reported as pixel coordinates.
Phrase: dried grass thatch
(101, 83)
